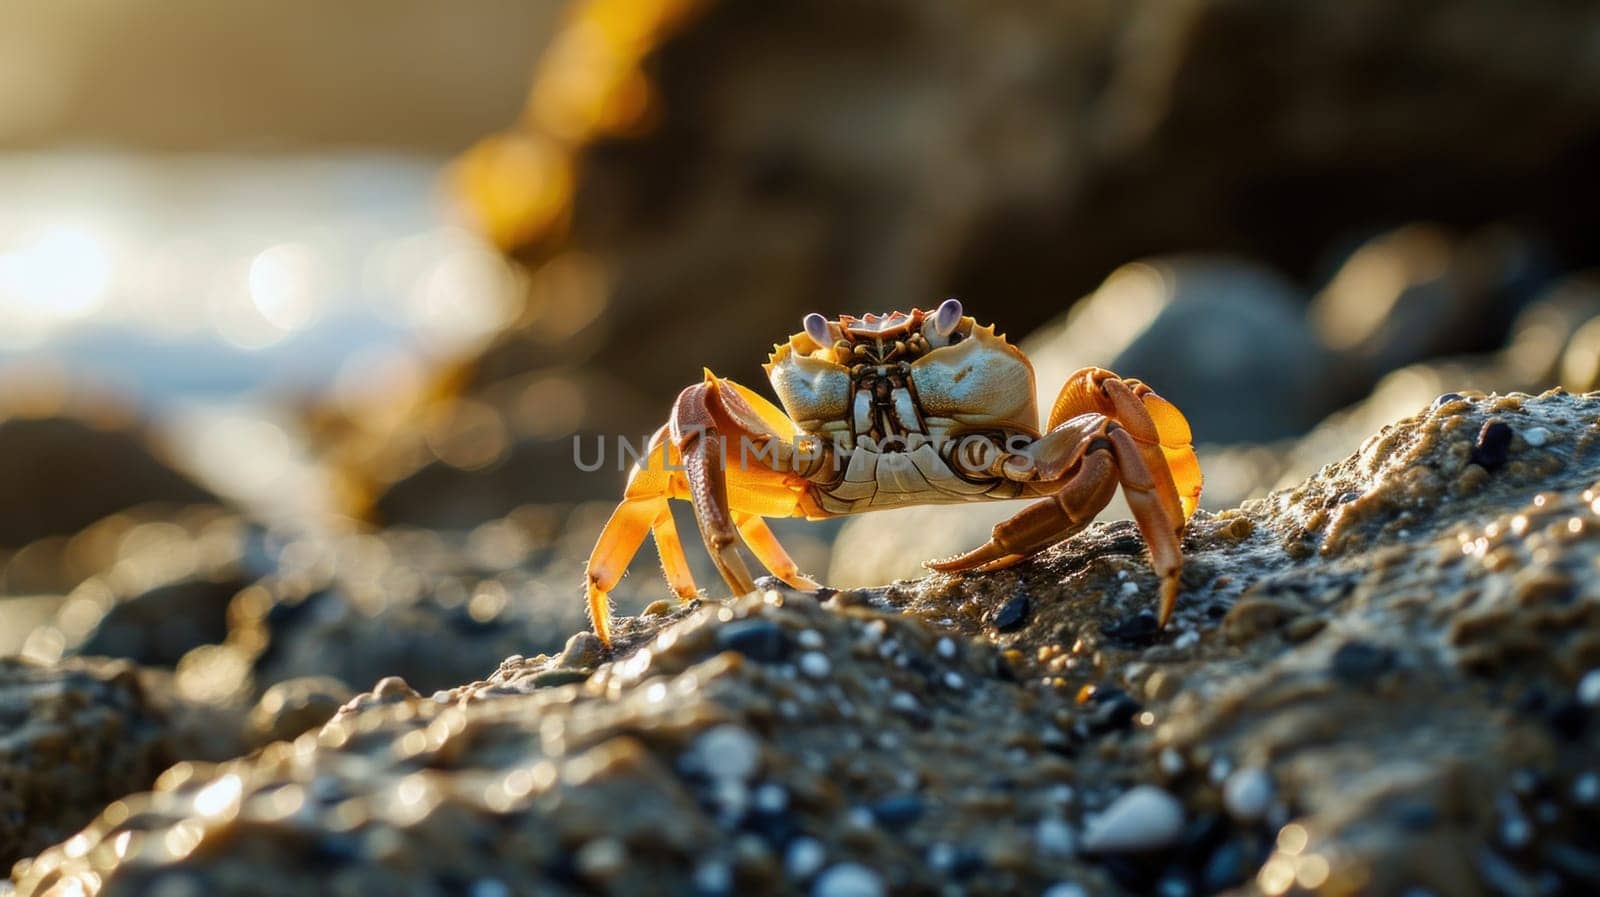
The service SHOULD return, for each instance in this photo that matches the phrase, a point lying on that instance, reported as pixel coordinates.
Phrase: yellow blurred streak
(517, 186)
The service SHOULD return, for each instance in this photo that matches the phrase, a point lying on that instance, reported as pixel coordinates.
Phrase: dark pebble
(1570, 719)
(1493, 446)
(1349, 497)
(1113, 711)
(897, 812)
(1137, 631)
(1532, 702)
(965, 862)
(1132, 874)
(1357, 663)
(760, 640)
(1446, 399)
(1225, 868)
(1013, 613)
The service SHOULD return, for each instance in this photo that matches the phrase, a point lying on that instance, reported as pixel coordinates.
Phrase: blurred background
(303, 304)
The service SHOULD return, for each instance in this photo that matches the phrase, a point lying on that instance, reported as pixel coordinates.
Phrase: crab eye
(947, 317)
(816, 327)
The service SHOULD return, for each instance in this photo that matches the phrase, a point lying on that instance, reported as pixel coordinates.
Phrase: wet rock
(82, 733)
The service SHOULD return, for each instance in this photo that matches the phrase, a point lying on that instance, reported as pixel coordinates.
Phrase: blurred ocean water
(211, 290)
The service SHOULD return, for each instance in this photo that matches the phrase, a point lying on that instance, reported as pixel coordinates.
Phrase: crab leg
(1150, 497)
(674, 565)
(1047, 521)
(1160, 430)
(619, 542)
(764, 545)
(1107, 453)
(696, 434)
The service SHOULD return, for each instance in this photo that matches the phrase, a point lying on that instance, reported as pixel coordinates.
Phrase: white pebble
(1144, 818)
(490, 887)
(1536, 436)
(815, 664)
(810, 638)
(953, 680)
(1586, 789)
(713, 877)
(1219, 770)
(728, 752)
(1055, 836)
(1589, 688)
(1171, 762)
(1130, 588)
(1065, 889)
(946, 648)
(804, 857)
(1247, 794)
(848, 880)
(601, 858)
(771, 798)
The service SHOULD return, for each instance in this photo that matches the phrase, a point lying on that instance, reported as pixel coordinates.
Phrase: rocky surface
(1378, 681)
(80, 734)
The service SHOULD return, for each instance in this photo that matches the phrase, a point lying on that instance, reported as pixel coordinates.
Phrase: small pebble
(815, 665)
(1144, 818)
(770, 798)
(1013, 613)
(713, 877)
(490, 887)
(848, 880)
(1247, 794)
(728, 752)
(1065, 889)
(1493, 447)
(1171, 762)
(1536, 436)
(1586, 789)
(1358, 662)
(810, 638)
(1055, 836)
(601, 858)
(946, 648)
(582, 651)
(760, 640)
(898, 812)
(1589, 688)
(804, 858)
(953, 681)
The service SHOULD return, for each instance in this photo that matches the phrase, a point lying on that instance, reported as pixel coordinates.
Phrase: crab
(897, 409)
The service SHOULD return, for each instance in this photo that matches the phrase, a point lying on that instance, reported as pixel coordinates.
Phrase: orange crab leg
(674, 564)
(619, 542)
(764, 545)
(1156, 424)
(731, 490)
(1045, 522)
